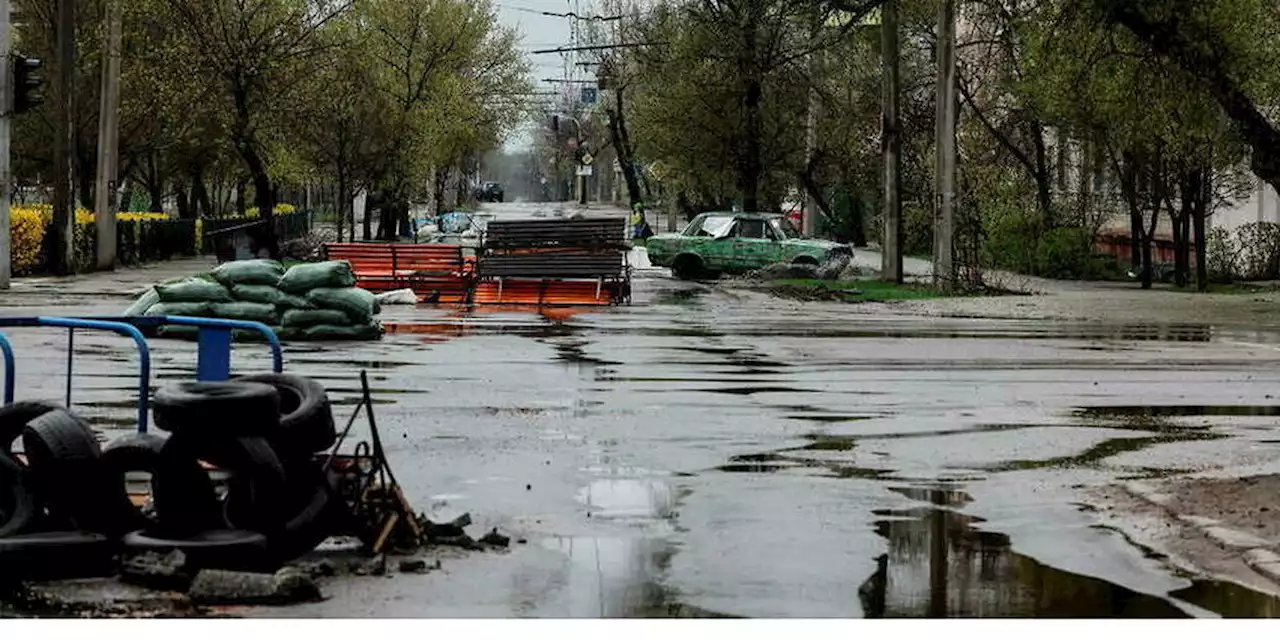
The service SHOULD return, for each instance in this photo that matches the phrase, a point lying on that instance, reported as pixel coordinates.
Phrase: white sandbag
(399, 296)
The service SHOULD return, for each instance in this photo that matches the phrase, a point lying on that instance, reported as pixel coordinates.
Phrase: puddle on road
(940, 565)
(1176, 411)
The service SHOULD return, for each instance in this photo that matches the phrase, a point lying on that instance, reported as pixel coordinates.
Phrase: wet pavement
(711, 452)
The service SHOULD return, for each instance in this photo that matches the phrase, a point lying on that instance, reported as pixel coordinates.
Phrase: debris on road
(161, 572)
(496, 539)
(286, 586)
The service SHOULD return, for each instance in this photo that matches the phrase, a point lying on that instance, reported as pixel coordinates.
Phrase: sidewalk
(94, 293)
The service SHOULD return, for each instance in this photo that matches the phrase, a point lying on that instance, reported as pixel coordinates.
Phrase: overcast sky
(542, 32)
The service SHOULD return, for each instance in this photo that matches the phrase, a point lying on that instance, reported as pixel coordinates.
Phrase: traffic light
(26, 83)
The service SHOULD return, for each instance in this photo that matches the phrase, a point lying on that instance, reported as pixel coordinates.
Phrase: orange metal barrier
(437, 273)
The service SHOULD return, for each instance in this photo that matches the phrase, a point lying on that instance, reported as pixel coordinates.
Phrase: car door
(753, 248)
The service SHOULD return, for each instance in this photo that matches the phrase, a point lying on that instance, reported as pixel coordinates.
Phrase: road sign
(584, 170)
(587, 158)
(589, 95)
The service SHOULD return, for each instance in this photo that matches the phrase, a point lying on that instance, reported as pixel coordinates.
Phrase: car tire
(66, 468)
(306, 420)
(311, 505)
(258, 480)
(14, 418)
(230, 549)
(56, 555)
(18, 509)
(133, 453)
(186, 502)
(806, 260)
(687, 267)
(230, 409)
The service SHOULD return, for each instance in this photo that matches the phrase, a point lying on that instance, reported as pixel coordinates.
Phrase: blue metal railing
(213, 360)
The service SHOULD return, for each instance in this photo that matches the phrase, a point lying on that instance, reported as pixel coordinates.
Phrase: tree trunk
(749, 162)
(1129, 186)
(1199, 212)
(201, 201)
(242, 206)
(183, 201)
(157, 198)
(622, 147)
(264, 195)
(367, 223)
(342, 202)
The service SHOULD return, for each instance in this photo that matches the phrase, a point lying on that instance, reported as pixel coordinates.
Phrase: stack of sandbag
(336, 309)
(309, 301)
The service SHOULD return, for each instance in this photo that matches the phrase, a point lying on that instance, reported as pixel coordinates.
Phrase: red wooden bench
(436, 272)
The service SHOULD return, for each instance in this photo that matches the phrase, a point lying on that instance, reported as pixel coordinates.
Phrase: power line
(596, 47)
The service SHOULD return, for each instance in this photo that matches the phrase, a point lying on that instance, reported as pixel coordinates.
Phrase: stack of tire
(65, 510)
(316, 301)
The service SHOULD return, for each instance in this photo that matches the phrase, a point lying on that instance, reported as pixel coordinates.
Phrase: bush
(1221, 256)
(1258, 251)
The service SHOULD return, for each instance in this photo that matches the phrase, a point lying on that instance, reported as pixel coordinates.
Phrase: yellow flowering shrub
(281, 209)
(26, 236)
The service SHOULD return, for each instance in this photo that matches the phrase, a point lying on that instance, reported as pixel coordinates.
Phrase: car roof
(750, 215)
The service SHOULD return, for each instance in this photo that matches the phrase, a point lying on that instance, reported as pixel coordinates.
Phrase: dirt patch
(1193, 524)
(1246, 504)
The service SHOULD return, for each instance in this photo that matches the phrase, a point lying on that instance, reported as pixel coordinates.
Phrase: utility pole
(891, 146)
(809, 223)
(6, 113)
(63, 245)
(944, 273)
(104, 204)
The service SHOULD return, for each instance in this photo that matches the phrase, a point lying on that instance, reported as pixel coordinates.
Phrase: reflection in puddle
(628, 498)
(939, 566)
(614, 577)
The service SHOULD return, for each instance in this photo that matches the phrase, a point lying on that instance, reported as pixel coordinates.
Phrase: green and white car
(730, 242)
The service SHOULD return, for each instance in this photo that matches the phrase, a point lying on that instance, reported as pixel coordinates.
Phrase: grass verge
(853, 290)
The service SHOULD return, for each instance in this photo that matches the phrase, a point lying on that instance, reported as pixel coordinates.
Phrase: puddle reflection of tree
(938, 565)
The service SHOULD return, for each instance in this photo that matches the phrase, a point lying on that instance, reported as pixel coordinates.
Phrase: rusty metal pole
(63, 256)
(944, 273)
(108, 141)
(891, 239)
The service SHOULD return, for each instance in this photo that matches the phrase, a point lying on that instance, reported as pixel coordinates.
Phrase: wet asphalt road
(711, 452)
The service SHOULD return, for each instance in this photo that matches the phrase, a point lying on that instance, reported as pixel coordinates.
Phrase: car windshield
(709, 226)
(784, 228)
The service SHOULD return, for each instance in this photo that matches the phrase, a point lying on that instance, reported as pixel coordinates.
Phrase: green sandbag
(359, 305)
(369, 331)
(178, 332)
(260, 293)
(302, 278)
(190, 309)
(144, 302)
(251, 311)
(250, 272)
(312, 317)
(245, 335)
(193, 290)
(290, 301)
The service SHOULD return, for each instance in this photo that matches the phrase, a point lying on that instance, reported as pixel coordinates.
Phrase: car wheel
(133, 453)
(687, 267)
(231, 409)
(229, 549)
(806, 260)
(66, 466)
(14, 418)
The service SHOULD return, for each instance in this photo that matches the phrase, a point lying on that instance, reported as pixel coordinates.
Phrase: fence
(140, 241)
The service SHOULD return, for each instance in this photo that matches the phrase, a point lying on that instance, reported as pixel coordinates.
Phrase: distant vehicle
(734, 242)
(489, 192)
